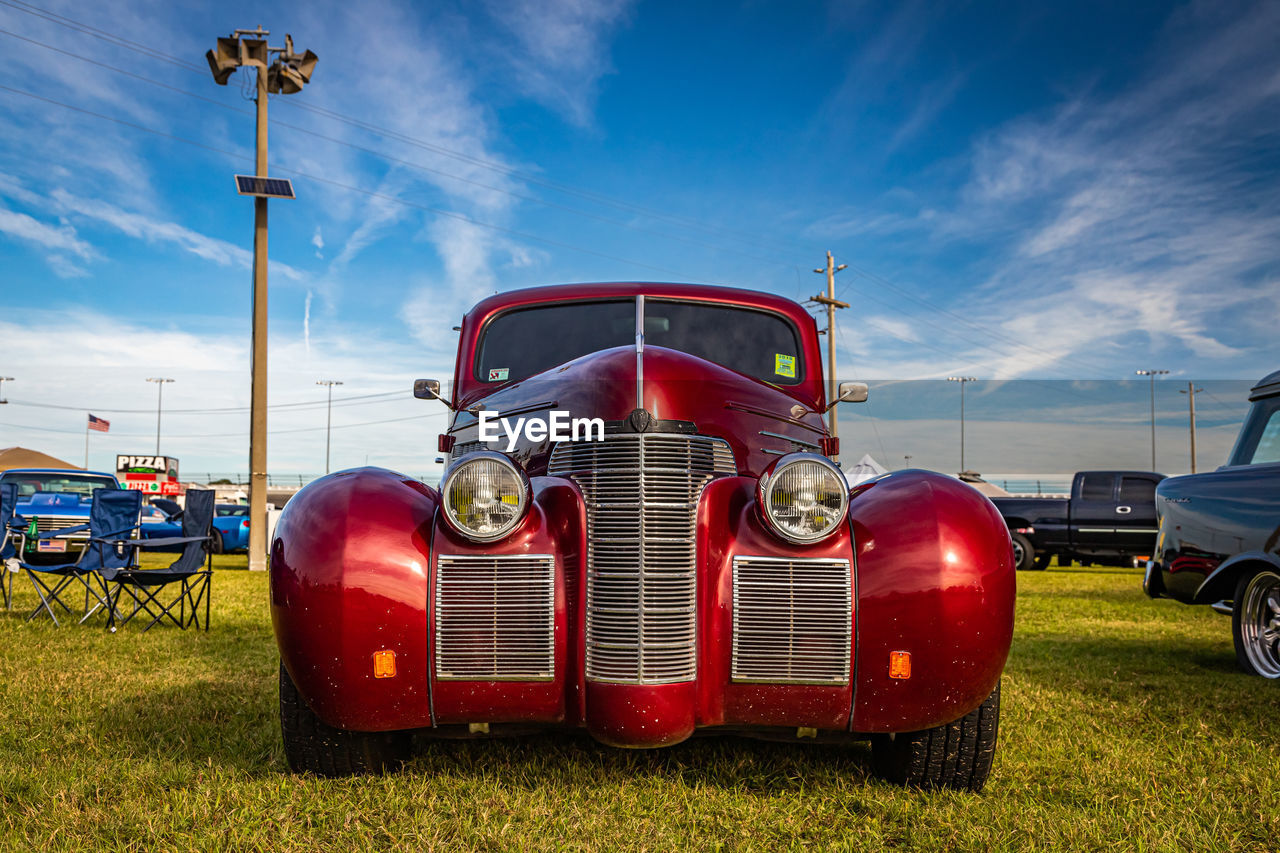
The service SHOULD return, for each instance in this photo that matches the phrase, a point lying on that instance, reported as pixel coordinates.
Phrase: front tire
(1255, 624)
(1024, 553)
(217, 543)
(313, 746)
(954, 755)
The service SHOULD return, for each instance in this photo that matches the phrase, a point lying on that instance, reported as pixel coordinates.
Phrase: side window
(1268, 449)
(1137, 490)
(1096, 487)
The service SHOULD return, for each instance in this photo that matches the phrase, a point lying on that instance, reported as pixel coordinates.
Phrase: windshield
(526, 341)
(81, 486)
(223, 511)
(1259, 441)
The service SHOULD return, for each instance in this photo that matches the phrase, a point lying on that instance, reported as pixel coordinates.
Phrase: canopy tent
(21, 457)
(866, 469)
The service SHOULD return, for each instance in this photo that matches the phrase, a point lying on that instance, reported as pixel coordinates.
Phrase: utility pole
(287, 75)
(907, 457)
(962, 380)
(1153, 374)
(160, 382)
(328, 421)
(832, 304)
(1191, 393)
(4, 379)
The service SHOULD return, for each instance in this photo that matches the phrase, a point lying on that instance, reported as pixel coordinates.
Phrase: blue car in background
(231, 528)
(54, 498)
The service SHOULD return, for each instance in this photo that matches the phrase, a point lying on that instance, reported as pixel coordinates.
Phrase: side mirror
(852, 392)
(429, 389)
(849, 392)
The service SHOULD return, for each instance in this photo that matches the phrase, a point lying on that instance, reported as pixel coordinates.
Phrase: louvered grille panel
(642, 494)
(792, 620)
(495, 618)
(45, 523)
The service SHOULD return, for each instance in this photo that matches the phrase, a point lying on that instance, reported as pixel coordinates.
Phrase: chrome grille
(641, 491)
(792, 620)
(45, 523)
(495, 618)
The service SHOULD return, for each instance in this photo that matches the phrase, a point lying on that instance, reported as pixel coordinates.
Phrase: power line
(233, 434)
(597, 198)
(383, 196)
(216, 411)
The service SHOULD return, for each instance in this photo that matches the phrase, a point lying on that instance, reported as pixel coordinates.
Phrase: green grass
(1125, 725)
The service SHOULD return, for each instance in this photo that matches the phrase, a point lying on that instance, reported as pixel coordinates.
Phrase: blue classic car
(231, 524)
(51, 499)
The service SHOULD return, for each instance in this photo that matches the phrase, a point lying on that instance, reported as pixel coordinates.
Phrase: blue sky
(1021, 191)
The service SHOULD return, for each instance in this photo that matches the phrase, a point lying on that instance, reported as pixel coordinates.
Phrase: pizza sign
(166, 466)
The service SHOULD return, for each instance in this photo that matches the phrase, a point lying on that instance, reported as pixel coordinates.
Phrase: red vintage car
(642, 533)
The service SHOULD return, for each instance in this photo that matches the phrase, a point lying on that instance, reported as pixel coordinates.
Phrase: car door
(1135, 518)
(1093, 511)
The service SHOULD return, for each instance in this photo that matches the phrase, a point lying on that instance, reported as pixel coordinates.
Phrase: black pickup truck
(1110, 518)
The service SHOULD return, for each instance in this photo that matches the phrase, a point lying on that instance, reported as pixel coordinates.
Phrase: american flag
(99, 424)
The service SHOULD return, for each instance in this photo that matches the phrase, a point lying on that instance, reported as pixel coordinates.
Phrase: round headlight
(485, 496)
(803, 496)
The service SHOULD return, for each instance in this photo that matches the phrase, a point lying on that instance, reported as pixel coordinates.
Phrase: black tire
(1255, 623)
(954, 755)
(215, 543)
(1024, 553)
(1042, 561)
(312, 746)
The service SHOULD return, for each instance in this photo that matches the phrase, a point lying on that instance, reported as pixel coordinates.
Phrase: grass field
(1125, 726)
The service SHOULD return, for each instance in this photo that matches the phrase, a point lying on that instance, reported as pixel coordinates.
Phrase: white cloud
(561, 48)
(29, 230)
(152, 230)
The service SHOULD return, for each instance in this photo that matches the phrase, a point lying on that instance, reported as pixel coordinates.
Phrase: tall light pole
(832, 304)
(1153, 374)
(962, 380)
(286, 75)
(4, 379)
(328, 421)
(160, 382)
(1191, 393)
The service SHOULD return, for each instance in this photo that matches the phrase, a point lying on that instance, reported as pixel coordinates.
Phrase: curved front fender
(935, 578)
(349, 577)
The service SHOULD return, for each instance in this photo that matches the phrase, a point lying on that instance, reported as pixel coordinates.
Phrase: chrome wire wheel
(1257, 624)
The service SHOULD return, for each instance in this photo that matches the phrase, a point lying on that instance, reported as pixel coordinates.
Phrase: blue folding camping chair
(113, 516)
(192, 572)
(8, 553)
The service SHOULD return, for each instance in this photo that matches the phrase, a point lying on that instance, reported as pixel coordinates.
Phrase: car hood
(679, 392)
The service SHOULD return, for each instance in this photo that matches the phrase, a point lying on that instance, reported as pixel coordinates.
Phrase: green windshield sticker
(784, 365)
(498, 374)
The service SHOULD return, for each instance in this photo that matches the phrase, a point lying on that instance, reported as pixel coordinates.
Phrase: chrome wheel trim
(1017, 554)
(1260, 623)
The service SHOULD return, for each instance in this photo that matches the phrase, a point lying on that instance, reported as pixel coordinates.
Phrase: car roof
(57, 471)
(1266, 387)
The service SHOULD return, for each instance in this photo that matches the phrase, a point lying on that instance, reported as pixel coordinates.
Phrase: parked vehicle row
(55, 499)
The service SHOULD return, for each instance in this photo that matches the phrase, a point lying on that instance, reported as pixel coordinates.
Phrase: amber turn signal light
(384, 664)
(899, 664)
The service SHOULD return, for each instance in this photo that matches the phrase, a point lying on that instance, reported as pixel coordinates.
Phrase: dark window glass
(1096, 487)
(530, 340)
(1259, 441)
(756, 343)
(227, 511)
(1137, 490)
(526, 341)
(82, 487)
